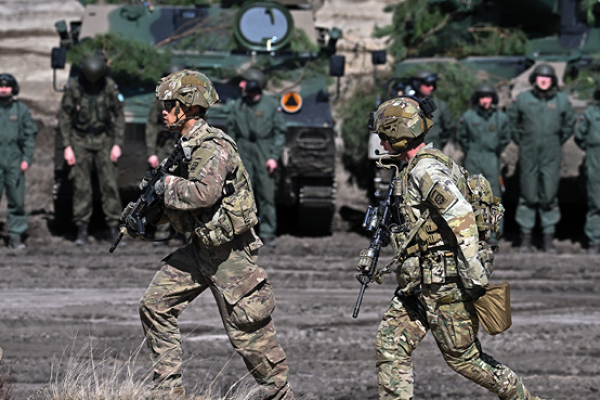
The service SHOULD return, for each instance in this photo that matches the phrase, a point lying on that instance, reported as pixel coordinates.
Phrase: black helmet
(9, 80)
(424, 76)
(543, 70)
(93, 67)
(172, 68)
(484, 89)
(255, 78)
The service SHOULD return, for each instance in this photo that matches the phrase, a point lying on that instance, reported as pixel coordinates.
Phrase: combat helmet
(423, 76)
(484, 89)
(93, 67)
(9, 80)
(400, 120)
(188, 88)
(544, 70)
(255, 79)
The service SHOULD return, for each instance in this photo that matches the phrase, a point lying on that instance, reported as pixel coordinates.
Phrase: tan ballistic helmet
(189, 87)
(400, 120)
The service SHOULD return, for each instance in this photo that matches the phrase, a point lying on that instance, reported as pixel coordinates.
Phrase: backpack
(476, 189)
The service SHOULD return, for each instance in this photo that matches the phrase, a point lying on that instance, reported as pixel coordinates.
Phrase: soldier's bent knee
(254, 308)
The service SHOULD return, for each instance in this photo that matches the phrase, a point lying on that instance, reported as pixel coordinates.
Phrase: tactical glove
(159, 186)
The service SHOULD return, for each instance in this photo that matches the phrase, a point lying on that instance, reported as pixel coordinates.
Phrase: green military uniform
(17, 138)
(228, 269)
(438, 279)
(92, 123)
(441, 131)
(483, 135)
(259, 130)
(541, 123)
(587, 137)
(160, 143)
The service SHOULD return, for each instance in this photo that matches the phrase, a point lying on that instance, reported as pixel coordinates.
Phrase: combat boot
(82, 235)
(548, 245)
(16, 243)
(525, 243)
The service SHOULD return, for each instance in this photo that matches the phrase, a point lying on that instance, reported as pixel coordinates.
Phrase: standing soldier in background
(92, 124)
(542, 120)
(17, 135)
(483, 133)
(159, 144)
(587, 137)
(209, 195)
(424, 83)
(441, 275)
(257, 125)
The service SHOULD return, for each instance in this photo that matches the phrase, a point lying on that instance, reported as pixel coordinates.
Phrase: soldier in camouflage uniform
(256, 123)
(542, 120)
(440, 276)
(92, 124)
(587, 137)
(210, 195)
(424, 83)
(17, 135)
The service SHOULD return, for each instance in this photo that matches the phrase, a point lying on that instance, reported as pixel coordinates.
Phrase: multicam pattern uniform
(438, 278)
(92, 124)
(240, 287)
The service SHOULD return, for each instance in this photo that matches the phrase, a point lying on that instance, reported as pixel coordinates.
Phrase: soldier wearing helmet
(159, 145)
(587, 137)
(424, 82)
(92, 125)
(17, 136)
(483, 133)
(440, 275)
(257, 124)
(209, 195)
(541, 122)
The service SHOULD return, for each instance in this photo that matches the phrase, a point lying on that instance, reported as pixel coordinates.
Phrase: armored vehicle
(221, 40)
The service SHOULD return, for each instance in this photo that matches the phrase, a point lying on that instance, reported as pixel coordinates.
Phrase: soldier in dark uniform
(542, 120)
(92, 124)
(17, 135)
(424, 83)
(257, 125)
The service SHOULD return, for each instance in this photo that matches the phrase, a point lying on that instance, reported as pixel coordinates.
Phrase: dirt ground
(55, 296)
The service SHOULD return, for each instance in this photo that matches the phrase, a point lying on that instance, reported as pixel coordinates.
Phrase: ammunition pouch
(217, 231)
(409, 276)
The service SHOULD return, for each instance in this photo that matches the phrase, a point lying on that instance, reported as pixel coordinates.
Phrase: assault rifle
(136, 214)
(377, 222)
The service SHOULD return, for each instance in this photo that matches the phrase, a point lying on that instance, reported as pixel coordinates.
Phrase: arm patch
(441, 198)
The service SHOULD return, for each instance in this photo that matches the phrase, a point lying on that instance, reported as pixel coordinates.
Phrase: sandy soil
(55, 297)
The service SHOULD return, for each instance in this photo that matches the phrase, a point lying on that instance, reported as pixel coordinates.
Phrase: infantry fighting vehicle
(564, 33)
(221, 40)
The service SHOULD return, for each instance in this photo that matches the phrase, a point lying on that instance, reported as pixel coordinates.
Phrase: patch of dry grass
(87, 375)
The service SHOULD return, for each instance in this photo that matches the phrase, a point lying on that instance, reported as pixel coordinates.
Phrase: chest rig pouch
(236, 212)
(434, 245)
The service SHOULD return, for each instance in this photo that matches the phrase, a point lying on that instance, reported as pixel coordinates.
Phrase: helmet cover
(400, 120)
(189, 87)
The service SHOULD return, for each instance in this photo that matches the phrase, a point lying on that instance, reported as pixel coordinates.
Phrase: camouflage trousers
(245, 300)
(86, 162)
(454, 326)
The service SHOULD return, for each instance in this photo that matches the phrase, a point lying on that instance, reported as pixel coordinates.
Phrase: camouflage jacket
(428, 185)
(198, 192)
(86, 114)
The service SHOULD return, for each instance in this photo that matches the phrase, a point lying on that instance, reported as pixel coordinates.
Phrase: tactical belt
(92, 131)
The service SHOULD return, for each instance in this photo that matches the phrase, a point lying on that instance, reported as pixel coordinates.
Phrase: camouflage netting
(130, 58)
(455, 85)
(422, 28)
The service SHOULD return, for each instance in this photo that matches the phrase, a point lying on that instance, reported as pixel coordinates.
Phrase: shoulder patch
(441, 198)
